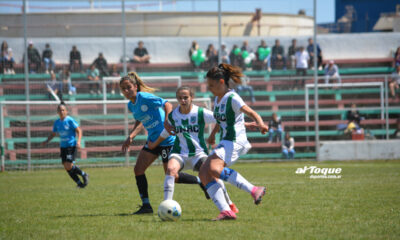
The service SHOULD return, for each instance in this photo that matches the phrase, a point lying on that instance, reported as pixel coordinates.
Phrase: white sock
(169, 184)
(227, 198)
(217, 195)
(240, 182)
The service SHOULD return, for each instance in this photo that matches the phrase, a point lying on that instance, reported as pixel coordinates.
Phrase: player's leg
(229, 152)
(68, 162)
(144, 160)
(232, 206)
(174, 165)
(214, 189)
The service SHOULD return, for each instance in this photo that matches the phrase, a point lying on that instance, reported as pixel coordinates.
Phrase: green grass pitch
(363, 204)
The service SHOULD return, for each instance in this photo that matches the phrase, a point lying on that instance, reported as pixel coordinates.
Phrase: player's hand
(170, 129)
(126, 145)
(263, 129)
(78, 145)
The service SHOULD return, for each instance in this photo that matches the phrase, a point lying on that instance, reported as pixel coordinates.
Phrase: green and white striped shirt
(231, 120)
(189, 130)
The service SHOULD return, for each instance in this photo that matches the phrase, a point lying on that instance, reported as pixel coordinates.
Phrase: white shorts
(230, 151)
(188, 162)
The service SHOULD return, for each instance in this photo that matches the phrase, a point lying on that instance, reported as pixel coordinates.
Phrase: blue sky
(325, 8)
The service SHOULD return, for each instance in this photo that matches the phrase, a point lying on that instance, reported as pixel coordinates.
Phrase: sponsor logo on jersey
(222, 108)
(220, 116)
(189, 128)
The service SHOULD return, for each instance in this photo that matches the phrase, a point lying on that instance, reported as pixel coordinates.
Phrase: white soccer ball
(169, 210)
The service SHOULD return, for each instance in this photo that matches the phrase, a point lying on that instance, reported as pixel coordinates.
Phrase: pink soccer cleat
(226, 215)
(234, 208)
(257, 193)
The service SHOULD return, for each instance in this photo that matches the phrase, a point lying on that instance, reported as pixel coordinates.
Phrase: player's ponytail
(134, 78)
(226, 72)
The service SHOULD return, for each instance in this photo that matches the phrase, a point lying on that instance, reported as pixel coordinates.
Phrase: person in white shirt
(302, 59)
(228, 112)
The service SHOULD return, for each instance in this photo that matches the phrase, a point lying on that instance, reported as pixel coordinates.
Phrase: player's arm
(78, 131)
(164, 134)
(49, 138)
(168, 109)
(253, 115)
(136, 129)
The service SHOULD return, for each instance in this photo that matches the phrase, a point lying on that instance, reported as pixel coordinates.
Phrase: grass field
(363, 204)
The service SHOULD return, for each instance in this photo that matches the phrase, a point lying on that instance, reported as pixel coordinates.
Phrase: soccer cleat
(85, 179)
(144, 209)
(204, 190)
(257, 193)
(226, 215)
(233, 208)
(80, 185)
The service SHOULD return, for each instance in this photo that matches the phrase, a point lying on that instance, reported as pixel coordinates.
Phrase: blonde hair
(134, 78)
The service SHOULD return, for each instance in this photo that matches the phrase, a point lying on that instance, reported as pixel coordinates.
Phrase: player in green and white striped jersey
(189, 150)
(228, 111)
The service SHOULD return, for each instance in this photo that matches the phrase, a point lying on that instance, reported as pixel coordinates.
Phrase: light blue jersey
(66, 129)
(148, 109)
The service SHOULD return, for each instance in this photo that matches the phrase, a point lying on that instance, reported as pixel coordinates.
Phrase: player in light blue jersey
(68, 128)
(149, 112)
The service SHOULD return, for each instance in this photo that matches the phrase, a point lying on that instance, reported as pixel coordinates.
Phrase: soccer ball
(169, 210)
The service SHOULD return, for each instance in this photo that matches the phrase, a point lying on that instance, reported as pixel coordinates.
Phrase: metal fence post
(386, 107)
(3, 145)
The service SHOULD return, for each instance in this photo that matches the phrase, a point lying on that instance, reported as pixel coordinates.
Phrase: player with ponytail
(68, 128)
(228, 112)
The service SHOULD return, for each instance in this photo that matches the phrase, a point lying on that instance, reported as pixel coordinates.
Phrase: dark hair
(226, 72)
(134, 78)
(183, 88)
(62, 104)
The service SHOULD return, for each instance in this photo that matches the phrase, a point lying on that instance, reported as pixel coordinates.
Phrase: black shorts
(162, 151)
(68, 154)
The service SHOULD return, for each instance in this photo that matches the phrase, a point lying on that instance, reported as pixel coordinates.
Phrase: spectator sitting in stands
(291, 53)
(302, 58)
(33, 58)
(7, 62)
(224, 54)
(65, 78)
(239, 88)
(264, 55)
(310, 50)
(212, 56)
(93, 75)
(101, 63)
(4, 49)
(396, 60)
(288, 146)
(275, 128)
(115, 83)
(193, 48)
(235, 56)
(278, 55)
(140, 54)
(394, 84)
(396, 133)
(75, 60)
(332, 71)
(47, 57)
(354, 119)
(54, 87)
